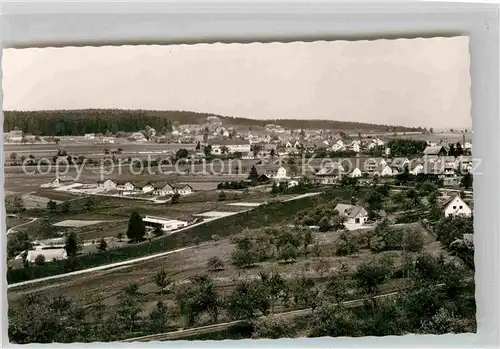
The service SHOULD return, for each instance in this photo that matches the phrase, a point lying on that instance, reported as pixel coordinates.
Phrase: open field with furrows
(104, 286)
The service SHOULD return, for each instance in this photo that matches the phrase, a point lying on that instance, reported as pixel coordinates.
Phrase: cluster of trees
(438, 299)
(323, 215)
(386, 238)
(79, 122)
(449, 229)
(406, 147)
(234, 185)
(272, 244)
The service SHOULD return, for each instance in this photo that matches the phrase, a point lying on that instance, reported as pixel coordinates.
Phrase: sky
(411, 82)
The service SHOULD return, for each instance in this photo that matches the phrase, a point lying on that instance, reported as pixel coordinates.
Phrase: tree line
(81, 121)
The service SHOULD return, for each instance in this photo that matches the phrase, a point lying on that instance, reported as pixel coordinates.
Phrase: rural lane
(12, 230)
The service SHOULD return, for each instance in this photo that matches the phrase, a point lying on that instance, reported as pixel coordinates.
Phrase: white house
(280, 173)
(59, 181)
(109, 140)
(354, 214)
(371, 165)
(293, 183)
(89, 136)
(125, 186)
(356, 173)
(457, 207)
(384, 170)
(13, 136)
(184, 189)
(417, 169)
(107, 184)
(248, 156)
(356, 147)
(50, 253)
(146, 188)
(338, 146)
(163, 189)
(165, 223)
(232, 145)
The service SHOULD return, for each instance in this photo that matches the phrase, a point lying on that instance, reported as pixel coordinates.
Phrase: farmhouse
(107, 184)
(354, 214)
(457, 207)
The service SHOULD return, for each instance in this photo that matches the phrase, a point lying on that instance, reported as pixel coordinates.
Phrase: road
(101, 267)
(13, 229)
(223, 326)
(140, 259)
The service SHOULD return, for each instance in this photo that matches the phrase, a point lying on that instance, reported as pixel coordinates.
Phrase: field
(104, 286)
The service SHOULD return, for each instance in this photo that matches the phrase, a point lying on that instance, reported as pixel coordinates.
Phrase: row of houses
(145, 187)
(357, 215)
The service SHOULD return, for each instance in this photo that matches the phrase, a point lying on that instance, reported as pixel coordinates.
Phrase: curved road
(12, 230)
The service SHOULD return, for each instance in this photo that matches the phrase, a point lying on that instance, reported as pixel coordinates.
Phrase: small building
(293, 183)
(165, 223)
(163, 189)
(372, 165)
(107, 184)
(89, 136)
(62, 180)
(437, 150)
(50, 253)
(354, 214)
(108, 140)
(13, 136)
(384, 170)
(125, 186)
(183, 189)
(146, 188)
(456, 206)
(356, 173)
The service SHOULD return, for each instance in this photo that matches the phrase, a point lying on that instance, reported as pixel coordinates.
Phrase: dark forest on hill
(79, 122)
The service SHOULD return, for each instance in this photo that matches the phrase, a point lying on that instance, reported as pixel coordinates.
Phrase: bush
(40, 259)
(346, 245)
(215, 264)
(414, 241)
(273, 327)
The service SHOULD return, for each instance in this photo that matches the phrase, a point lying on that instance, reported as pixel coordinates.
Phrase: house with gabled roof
(436, 150)
(354, 214)
(107, 184)
(373, 164)
(456, 206)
